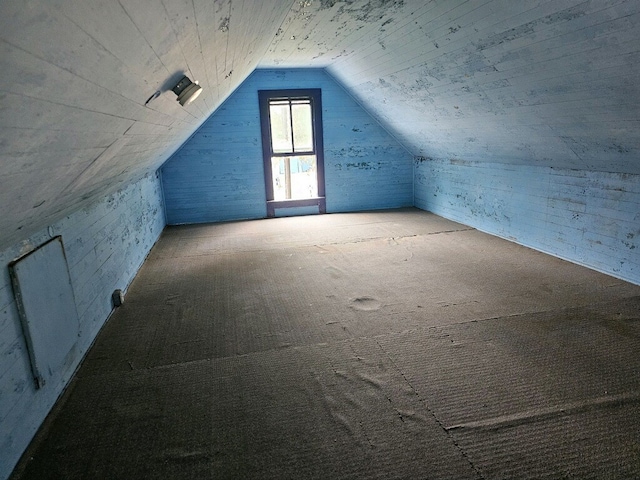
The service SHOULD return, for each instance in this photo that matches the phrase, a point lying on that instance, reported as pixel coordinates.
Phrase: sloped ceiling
(74, 79)
(545, 82)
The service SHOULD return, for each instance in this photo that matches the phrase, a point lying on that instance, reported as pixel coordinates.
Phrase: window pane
(294, 178)
(279, 178)
(302, 126)
(304, 177)
(280, 127)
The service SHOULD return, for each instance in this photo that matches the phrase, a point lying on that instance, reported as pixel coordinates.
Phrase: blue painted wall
(218, 174)
(105, 245)
(590, 218)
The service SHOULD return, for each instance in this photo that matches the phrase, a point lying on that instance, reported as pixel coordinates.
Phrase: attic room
(443, 281)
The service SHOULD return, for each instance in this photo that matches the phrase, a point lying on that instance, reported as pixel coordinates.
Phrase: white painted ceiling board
(108, 24)
(29, 112)
(27, 74)
(475, 84)
(74, 79)
(46, 33)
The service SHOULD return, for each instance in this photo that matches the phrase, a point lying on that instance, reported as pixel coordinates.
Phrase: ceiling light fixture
(187, 91)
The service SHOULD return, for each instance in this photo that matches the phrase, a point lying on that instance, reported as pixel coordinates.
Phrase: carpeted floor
(389, 344)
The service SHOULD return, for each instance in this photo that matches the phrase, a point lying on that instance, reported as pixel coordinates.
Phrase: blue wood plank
(218, 174)
(591, 218)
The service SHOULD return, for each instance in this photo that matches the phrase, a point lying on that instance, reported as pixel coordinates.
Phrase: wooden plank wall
(218, 174)
(105, 244)
(587, 217)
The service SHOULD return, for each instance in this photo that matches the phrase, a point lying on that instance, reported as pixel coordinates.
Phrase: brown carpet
(389, 344)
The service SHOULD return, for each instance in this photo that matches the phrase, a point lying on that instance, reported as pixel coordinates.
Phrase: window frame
(315, 96)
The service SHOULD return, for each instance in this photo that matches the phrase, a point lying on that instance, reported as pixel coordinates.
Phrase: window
(291, 123)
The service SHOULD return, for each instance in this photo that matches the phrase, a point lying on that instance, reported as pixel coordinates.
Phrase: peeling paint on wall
(371, 11)
(590, 218)
(530, 27)
(224, 25)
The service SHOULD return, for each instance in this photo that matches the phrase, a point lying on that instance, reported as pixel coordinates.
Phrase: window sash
(291, 126)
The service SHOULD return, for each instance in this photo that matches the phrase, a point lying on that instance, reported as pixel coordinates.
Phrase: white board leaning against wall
(47, 308)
